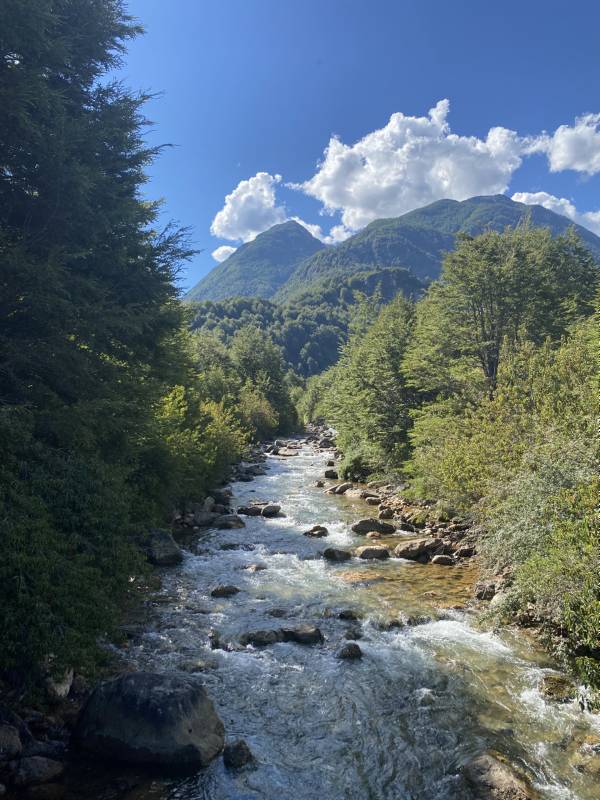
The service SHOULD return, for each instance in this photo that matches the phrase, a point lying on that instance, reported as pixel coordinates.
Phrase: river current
(399, 723)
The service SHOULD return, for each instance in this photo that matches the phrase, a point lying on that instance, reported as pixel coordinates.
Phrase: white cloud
(249, 209)
(589, 219)
(337, 234)
(575, 147)
(410, 162)
(252, 208)
(223, 252)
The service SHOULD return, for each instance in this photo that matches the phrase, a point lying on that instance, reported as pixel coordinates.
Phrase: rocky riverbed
(331, 625)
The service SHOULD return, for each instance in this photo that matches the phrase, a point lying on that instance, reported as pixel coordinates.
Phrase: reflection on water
(399, 723)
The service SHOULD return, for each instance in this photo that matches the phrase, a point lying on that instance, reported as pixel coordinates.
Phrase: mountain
(258, 268)
(419, 239)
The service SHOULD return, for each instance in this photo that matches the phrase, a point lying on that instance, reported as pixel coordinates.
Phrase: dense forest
(111, 412)
(484, 395)
(311, 329)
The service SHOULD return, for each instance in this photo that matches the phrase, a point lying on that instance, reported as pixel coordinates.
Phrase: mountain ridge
(284, 260)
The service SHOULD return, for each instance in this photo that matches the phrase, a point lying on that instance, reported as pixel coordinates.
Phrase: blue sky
(252, 92)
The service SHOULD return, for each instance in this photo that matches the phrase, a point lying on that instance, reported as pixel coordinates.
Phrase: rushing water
(397, 724)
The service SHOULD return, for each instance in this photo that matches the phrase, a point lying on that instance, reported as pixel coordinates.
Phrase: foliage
(420, 239)
(258, 268)
(109, 412)
(312, 328)
(367, 399)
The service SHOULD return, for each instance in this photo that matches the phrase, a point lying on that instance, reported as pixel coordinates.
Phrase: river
(400, 722)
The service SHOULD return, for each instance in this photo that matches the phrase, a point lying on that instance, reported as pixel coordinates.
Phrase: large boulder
(417, 549)
(372, 551)
(336, 554)
(302, 634)
(271, 510)
(147, 718)
(37, 769)
(492, 778)
(317, 531)
(10, 742)
(163, 550)
(229, 522)
(366, 525)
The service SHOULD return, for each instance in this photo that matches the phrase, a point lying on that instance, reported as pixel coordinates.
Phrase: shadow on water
(397, 724)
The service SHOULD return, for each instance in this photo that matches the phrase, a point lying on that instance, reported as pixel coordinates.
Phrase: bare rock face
(492, 778)
(147, 718)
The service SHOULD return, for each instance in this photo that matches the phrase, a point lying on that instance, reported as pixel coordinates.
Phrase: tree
(522, 284)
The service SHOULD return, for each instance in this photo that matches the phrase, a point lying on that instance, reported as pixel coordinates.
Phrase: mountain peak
(258, 268)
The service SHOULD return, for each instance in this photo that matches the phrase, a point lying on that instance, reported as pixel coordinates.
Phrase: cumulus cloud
(408, 163)
(223, 252)
(249, 209)
(252, 208)
(575, 147)
(560, 205)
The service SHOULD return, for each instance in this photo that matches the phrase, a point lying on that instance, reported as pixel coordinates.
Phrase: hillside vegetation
(311, 329)
(485, 396)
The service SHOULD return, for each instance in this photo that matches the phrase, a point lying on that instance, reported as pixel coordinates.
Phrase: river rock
(249, 511)
(225, 590)
(372, 551)
(147, 718)
(336, 554)
(229, 521)
(349, 614)
(386, 513)
(204, 519)
(331, 474)
(342, 488)
(443, 560)
(319, 484)
(271, 510)
(492, 778)
(465, 551)
(163, 550)
(558, 688)
(237, 755)
(350, 651)
(261, 638)
(373, 501)
(37, 769)
(367, 525)
(485, 590)
(317, 531)
(259, 567)
(417, 548)
(10, 742)
(373, 535)
(303, 634)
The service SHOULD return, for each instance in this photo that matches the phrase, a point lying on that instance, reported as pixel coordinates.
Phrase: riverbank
(429, 694)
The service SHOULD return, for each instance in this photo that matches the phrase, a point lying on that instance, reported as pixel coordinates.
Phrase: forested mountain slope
(419, 239)
(258, 268)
